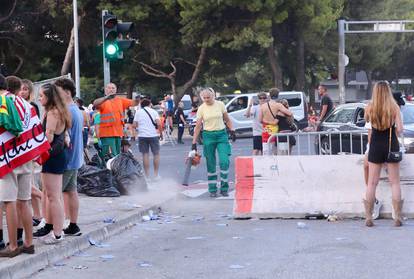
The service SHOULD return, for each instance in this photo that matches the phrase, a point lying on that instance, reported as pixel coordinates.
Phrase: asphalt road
(197, 238)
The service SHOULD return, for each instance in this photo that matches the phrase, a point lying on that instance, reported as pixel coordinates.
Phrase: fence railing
(318, 143)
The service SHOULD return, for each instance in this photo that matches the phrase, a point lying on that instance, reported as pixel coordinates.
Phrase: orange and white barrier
(294, 186)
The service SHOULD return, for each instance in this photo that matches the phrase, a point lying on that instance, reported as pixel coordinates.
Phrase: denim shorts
(145, 144)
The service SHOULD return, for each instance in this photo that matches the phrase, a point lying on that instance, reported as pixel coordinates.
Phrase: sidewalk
(99, 218)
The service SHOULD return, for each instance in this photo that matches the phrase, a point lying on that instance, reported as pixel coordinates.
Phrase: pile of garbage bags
(123, 176)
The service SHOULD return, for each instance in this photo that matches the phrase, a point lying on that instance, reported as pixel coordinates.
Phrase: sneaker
(213, 195)
(42, 232)
(36, 222)
(39, 225)
(51, 239)
(72, 230)
(157, 178)
(376, 209)
(7, 253)
(224, 193)
(66, 223)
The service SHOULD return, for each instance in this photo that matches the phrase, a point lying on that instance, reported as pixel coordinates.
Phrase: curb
(24, 267)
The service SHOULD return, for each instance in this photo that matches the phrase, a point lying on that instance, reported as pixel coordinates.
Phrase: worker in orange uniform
(112, 111)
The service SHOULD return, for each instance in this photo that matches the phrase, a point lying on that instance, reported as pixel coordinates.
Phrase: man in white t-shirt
(254, 110)
(148, 123)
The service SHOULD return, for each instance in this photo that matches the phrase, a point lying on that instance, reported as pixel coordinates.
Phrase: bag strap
(152, 120)
(389, 142)
(274, 116)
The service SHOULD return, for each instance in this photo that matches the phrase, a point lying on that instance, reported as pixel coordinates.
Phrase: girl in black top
(385, 117)
(286, 125)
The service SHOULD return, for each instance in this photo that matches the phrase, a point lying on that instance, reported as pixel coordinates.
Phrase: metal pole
(106, 65)
(76, 37)
(341, 60)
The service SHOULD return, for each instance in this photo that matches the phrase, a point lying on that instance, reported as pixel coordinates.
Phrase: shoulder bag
(152, 120)
(393, 156)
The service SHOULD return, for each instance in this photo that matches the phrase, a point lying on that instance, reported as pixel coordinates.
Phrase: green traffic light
(111, 49)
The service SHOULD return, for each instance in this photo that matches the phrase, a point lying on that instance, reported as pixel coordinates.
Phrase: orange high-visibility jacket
(112, 117)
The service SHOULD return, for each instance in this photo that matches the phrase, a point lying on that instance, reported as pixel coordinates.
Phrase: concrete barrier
(294, 186)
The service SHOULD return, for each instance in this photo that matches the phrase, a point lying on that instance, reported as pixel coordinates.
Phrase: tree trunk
(179, 92)
(300, 63)
(274, 65)
(129, 89)
(69, 52)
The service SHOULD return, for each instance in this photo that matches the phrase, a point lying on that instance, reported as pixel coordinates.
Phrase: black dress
(56, 164)
(379, 145)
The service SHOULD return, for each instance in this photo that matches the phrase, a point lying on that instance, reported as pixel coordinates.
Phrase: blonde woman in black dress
(384, 115)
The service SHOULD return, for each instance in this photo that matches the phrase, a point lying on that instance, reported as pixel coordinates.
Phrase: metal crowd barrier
(318, 143)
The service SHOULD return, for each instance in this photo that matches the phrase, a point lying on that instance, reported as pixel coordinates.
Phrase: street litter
(96, 182)
(342, 238)
(97, 244)
(198, 219)
(195, 237)
(59, 264)
(222, 225)
(178, 216)
(332, 218)
(79, 267)
(236, 266)
(107, 257)
(301, 225)
(146, 218)
(102, 245)
(91, 241)
(258, 229)
(152, 215)
(237, 237)
(128, 173)
(144, 264)
(315, 216)
(109, 220)
(81, 254)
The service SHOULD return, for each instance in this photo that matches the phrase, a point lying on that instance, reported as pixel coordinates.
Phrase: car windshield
(225, 99)
(408, 114)
(294, 100)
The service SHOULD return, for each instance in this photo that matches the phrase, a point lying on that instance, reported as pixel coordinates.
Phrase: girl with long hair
(27, 93)
(56, 121)
(384, 115)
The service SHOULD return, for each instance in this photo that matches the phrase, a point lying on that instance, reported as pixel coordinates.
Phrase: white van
(186, 99)
(236, 106)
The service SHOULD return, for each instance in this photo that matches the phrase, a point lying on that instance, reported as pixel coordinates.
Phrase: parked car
(236, 106)
(350, 117)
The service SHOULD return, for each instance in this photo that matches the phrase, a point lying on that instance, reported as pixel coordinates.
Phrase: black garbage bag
(128, 173)
(96, 182)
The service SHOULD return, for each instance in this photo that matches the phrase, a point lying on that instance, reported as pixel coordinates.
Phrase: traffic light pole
(106, 64)
(76, 37)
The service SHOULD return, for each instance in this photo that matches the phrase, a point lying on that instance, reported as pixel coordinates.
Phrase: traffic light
(116, 36)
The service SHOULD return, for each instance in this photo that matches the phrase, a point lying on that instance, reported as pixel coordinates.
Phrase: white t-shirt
(257, 126)
(146, 128)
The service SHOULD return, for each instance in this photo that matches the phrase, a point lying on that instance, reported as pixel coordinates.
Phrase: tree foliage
(227, 44)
